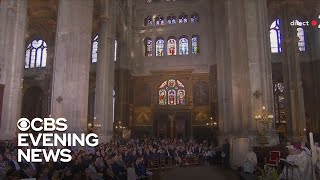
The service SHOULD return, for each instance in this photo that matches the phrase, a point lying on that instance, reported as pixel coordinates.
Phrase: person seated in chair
(250, 162)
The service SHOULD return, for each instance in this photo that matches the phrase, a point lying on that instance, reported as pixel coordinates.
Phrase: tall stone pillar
(105, 72)
(294, 100)
(70, 81)
(246, 74)
(13, 19)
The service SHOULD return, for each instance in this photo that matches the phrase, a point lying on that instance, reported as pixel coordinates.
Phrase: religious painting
(142, 119)
(172, 97)
(162, 97)
(181, 97)
(202, 117)
(201, 93)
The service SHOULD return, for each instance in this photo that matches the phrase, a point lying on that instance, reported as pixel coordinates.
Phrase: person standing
(226, 154)
(250, 162)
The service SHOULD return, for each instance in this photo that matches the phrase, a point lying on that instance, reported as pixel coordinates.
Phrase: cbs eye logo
(47, 124)
(23, 124)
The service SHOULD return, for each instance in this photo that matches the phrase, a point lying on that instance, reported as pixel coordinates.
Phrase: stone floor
(196, 173)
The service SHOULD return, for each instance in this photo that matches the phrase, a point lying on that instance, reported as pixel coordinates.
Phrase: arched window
(115, 49)
(159, 20)
(171, 20)
(275, 37)
(183, 19)
(172, 46)
(301, 42)
(172, 92)
(194, 18)
(148, 21)
(94, 51)
(36, 54)
(148, 47)
(195, 44)
(160, 47)
(183, 46)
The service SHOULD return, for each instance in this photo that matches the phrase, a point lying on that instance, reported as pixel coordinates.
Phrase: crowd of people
(119, 159)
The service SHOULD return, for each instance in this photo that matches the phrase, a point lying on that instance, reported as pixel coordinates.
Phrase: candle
(313, 149)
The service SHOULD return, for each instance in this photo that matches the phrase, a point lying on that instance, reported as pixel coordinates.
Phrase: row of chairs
(169, 162)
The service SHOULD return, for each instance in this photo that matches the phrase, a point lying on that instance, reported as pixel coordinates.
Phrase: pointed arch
(94, 50)
(159, 46)
(275, 37)
(171, 46)
(36, 54)
(148, 47)
(183, 45)
(172, 92)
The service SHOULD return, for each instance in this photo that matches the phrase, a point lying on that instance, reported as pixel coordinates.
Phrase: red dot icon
(314, 22)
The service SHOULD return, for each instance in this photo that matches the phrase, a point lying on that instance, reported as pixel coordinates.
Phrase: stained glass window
(194, 18)
(157, 21)
(275, 37)
(171, 19)
(115, 49)
(94, 51)
(183, 19)
(148, 21)
(195, 44)
(183, 46)
(36, 54)
(161, 21)
(162, 97)
(172, 97)
(148, 47)
(180, 84)
(181, 97)
(172, 92)
(172, 46)
(301, 42)
(160, 47)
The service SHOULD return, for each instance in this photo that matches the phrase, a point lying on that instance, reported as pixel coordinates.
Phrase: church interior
(204, 70)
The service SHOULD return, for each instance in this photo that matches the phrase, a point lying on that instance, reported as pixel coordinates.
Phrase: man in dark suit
(226, 154)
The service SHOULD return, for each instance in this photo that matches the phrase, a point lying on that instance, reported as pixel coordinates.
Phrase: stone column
(105, 72)
(13, 19)
(295, 112)
(244, 65)
(71, 63)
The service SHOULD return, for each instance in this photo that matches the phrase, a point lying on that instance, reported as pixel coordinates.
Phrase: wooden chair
(156, 163)
(273, 159)
(170, 162)
(162, 162)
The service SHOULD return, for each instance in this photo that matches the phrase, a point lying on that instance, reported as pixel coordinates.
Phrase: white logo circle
(23, 124)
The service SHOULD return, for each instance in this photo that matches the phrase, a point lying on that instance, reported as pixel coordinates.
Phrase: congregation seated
(118, 159)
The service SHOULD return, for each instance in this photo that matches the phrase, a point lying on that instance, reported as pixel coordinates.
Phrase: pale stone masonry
(13, 20)
(71, 66)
